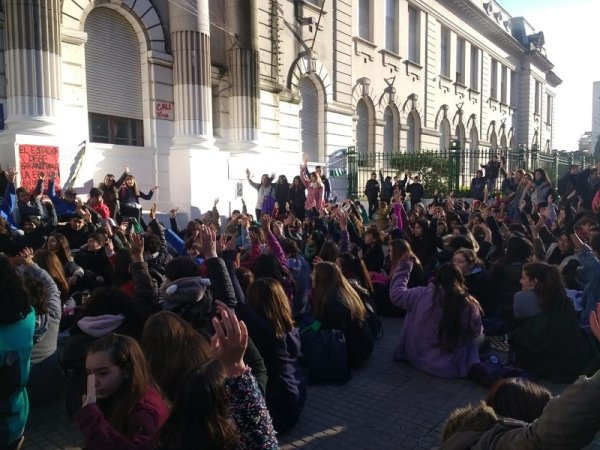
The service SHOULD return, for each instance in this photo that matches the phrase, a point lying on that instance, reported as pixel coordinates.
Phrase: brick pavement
(386, 405)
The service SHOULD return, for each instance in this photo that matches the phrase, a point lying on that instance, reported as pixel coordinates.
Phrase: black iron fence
(444, 170)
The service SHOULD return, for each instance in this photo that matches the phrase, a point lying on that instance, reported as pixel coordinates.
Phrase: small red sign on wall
(164, 110)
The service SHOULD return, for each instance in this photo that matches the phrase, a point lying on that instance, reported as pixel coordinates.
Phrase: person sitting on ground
(268, 316)
(17, 324)
(547, 340)
(568, 421)
(337, 305)
(121, 408)
(518, 399)
(442, 322)
(219, 404)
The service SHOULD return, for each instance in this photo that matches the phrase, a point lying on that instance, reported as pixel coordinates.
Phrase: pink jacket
(314, 195)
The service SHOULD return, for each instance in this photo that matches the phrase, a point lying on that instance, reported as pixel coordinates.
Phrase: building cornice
(553, 79)
(477, 18)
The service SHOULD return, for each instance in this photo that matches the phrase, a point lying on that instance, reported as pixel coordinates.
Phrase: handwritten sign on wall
(164, 110)
(36, 159)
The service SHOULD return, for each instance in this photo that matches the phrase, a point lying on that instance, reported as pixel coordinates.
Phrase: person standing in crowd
(265, 190)
(326, 183)
(387, 188)
(297, 198)
(478, 186)
(372, 192)
(416, 191)
(314, 189)
(492, 171)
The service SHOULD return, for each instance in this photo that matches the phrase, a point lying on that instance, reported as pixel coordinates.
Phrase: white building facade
(191, 93)
(595, 114)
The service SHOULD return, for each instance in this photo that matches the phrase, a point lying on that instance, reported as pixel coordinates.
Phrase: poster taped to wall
(35, 160)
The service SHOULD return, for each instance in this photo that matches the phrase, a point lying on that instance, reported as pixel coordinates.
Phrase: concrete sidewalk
(386, 405)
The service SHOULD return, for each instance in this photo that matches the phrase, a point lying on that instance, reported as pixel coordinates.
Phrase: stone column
(33, 65)
(244, 75)
(190, 42)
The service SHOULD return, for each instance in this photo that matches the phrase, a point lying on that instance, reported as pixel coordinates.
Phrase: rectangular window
(116, 130)
(460, 60)
(513, 88)
(504, 84)
(391, 25)
(474, 68)
(414, 35)
(445, 52)
(538, 97)
(494, 80)
(549, 105)
(364, 19)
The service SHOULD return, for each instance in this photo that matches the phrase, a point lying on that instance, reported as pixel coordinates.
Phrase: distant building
(586, 142)
(191, 92)
(595, 113)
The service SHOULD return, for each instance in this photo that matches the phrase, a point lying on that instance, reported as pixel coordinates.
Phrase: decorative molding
(413, 69)
(390, 59)
(362, 47)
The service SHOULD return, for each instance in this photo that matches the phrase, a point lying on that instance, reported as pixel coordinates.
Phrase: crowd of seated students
(131, 294)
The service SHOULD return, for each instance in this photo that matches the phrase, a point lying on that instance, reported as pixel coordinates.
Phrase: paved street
(387, 405)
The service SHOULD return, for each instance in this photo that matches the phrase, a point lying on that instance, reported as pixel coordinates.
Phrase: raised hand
(265, 223)
(248, 173)
(153, 212)
(208, 248)
(173, 212)
(90, 396)
(229, 341)
(343, 219)
(11, 174)
(137, 247)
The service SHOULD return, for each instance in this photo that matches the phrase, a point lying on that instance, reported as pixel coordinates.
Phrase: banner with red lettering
(37, 159)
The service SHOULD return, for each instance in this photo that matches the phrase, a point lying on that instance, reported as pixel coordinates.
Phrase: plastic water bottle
(69, 308)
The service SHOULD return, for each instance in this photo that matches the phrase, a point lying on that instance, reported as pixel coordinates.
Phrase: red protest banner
(37, 159)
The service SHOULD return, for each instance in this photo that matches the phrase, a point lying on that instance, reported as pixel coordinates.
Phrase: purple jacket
(418, 341)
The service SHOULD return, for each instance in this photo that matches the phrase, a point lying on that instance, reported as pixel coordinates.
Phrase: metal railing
(445, 170)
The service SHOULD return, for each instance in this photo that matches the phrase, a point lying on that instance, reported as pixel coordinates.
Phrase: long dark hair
(15, 302)
(172, 346)
(518, 398)
(354, 267)
(450, 293)
(126, 354)
(549, 288)
(201, 413)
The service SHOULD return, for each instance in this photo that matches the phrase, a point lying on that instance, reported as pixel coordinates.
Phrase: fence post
(352, 173)
(534, 157)
(555, 162)
(454, 175)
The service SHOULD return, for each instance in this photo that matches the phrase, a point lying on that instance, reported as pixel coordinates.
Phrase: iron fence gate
(444, 170)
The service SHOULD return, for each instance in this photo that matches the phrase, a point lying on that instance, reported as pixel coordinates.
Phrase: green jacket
(16, 342)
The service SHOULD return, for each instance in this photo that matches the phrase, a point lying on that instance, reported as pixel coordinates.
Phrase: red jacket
(102, 209)
(148, 416)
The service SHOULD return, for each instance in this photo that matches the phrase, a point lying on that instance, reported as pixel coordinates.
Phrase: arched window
(444, 135)
(413, 134)
(113, 79)
(309, 119)
(362, 128)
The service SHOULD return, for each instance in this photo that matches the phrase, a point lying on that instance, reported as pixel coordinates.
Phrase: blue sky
(572, 33)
